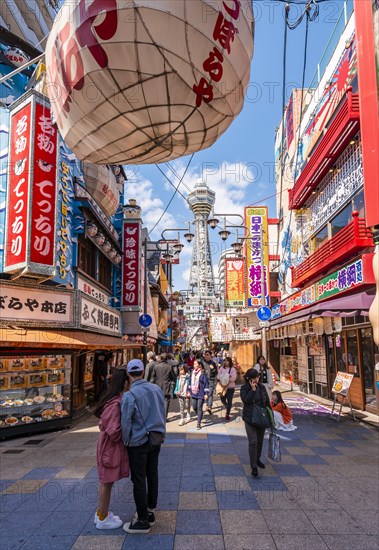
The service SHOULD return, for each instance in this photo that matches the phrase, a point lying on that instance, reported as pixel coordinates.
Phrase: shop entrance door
(368, 368)
(311, 375)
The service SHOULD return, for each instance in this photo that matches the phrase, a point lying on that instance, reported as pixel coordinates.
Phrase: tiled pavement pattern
(323, 494)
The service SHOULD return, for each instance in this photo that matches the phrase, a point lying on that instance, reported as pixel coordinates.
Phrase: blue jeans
(197, 405)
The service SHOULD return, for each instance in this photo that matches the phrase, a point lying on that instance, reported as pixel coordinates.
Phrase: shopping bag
(274, 447)
(221, 390)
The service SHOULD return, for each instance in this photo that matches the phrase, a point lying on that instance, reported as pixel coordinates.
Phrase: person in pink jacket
(111, 454)
(227, 374)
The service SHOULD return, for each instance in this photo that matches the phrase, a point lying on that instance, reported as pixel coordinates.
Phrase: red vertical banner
(44, 188)
(131, 276)
(18, 195)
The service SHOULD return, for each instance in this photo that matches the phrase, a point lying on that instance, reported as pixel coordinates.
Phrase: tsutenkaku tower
(201, 201)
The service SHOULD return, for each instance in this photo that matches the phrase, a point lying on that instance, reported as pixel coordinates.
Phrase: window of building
(359, 204)
(105, 271)
(342, 219)
(87, 253)
(321, 237)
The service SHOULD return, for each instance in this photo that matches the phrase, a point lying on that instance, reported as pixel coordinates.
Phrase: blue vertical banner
(4, 144)
(68, 169)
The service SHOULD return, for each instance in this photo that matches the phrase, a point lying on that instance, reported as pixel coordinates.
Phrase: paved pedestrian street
(323, 494)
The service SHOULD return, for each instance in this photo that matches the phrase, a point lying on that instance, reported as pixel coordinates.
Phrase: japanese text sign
(131, 284)
(21, 304)
(343, 279)
(342, 383)
(234, 282)
(256, 220)
(92, 290)
(30, 228)
(96, 316)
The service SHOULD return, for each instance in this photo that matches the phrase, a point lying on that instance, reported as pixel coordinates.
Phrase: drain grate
(34, 441)
(13, 451)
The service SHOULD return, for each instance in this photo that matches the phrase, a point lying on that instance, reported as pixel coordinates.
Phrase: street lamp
(188, 235)
(168, 258)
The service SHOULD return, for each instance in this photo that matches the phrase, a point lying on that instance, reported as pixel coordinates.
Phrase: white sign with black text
(96, 316)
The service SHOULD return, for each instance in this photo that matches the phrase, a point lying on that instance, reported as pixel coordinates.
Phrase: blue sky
(240, 165)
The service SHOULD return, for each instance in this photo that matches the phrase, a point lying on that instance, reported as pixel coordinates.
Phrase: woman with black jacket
(252, 392)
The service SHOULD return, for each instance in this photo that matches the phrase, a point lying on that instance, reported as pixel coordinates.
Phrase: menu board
(342, 383)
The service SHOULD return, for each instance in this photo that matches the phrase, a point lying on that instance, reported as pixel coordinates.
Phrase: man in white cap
(143, 423)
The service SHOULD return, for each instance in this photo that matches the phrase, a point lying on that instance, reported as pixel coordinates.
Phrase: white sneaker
(109, 514)
(181, 423)
(110, 522)
(188, 418)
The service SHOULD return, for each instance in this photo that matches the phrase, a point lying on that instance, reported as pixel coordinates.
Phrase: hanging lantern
(318, 326)
(147, 81)
(99, 238)
(16, 56)
(107, 246)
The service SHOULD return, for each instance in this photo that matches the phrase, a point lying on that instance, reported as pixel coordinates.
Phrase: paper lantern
(150, 80)
(16, 56)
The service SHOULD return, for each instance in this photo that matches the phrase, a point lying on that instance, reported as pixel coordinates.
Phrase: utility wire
(170, 182)
(173, 195)
(309, 17)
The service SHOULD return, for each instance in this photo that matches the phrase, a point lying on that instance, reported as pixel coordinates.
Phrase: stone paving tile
(290, 470)
(300, 451)
(196, 470)
(149, 542)
(276, 500)
(333, 522)
(247, 542)
(288, 522)
(199, 542)
(83, 461)
(228, 470)
(168, 501)
(351, 542)
(22, 524)
(112, 542)
(165, 523)
(58, 524)
(315, 443)
(232, 483)
(12, 543)
(267, 483)
(299, 542)
(312, 459)
(197, 483)
(73, 472)
(49, 543)
(241, 500)
(200, 522)
(42, 473)
(225, 459)
(25, 486)
(318, 470)
(267, 472)
(197, 501)
(196, 436)
(170, 484)
(243, 522)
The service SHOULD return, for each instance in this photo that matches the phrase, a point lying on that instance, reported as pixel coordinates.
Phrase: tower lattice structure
(201, 201)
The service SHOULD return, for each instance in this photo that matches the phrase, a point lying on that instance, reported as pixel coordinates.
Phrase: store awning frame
(345, 306)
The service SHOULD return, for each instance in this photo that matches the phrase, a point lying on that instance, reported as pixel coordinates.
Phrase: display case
(35, 393)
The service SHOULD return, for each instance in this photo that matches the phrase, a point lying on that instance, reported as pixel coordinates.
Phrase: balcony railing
(343, 126)
(348, 241)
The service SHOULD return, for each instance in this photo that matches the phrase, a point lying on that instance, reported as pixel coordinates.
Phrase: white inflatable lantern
(150, 80)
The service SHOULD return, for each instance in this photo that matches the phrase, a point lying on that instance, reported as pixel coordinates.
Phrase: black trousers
(143, 463)
(255, 436)
(227, 399)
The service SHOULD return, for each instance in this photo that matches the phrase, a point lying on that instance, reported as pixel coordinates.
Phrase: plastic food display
(34, 391)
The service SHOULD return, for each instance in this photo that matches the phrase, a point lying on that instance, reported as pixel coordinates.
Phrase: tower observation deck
(201, 201)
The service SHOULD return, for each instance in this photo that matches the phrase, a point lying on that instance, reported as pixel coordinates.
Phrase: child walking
(111, 454)
(182, 392)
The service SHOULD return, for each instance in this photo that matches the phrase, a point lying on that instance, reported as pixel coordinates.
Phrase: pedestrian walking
(210, 369)
(265, 374)
(282, 413)
(111, 454)
(163, 375)
(227, 375)
(199, 389)
(253, 392)
(182, 392)
(151, 358)
(143, 430)
(190, 359)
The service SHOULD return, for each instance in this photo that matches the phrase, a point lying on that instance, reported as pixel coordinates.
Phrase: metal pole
(22, 68)
(264, 341)
(144, 347)
(172, 334)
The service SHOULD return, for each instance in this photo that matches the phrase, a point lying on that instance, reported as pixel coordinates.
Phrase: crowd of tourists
(134, 410)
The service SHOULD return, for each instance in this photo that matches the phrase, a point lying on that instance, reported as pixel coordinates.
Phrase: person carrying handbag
(227, 375)
(255, 415)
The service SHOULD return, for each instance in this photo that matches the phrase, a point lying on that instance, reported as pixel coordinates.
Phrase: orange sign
(234, 282)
